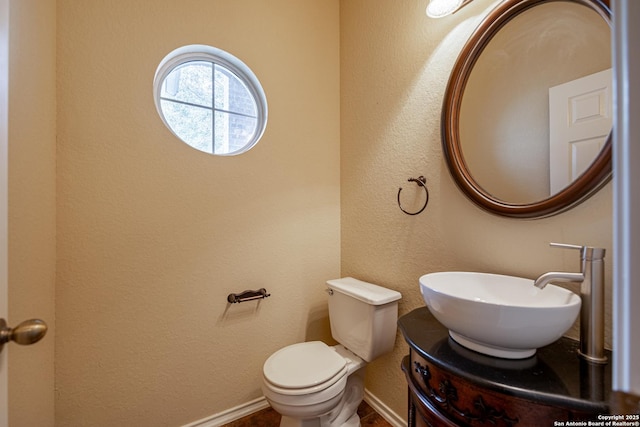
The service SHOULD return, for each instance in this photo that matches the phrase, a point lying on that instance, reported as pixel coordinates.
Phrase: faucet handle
(565, 246)
(588, 252)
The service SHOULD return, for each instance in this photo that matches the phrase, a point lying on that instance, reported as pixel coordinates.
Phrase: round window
(210, 100)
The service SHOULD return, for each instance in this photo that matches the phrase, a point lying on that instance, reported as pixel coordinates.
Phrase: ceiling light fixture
(442, 8)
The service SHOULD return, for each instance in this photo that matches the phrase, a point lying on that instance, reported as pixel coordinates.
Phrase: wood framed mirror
(497, 112)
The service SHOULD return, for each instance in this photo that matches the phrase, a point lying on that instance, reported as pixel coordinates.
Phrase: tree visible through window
(210, 107)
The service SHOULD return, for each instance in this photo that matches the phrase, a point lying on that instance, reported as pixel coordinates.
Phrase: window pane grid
(190, 104)
(190, 82)
(210, 107)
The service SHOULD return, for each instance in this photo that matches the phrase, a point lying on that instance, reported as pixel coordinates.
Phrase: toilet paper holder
(248, 296)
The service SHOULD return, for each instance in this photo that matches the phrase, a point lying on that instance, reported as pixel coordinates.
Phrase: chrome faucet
(591, 279)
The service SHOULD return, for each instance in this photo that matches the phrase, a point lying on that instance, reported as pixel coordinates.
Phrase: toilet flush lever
(27, 332)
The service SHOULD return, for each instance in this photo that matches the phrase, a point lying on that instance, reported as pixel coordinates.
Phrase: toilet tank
(363, 316)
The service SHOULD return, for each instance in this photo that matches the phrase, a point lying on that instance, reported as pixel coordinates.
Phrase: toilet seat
(304, 368)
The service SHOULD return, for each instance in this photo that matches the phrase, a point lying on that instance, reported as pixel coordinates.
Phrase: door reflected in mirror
(508, 120)
(505, 112)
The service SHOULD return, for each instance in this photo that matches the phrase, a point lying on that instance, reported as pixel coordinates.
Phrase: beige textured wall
(147, 253)
(153, 235)
(32, 204)
(395, 63)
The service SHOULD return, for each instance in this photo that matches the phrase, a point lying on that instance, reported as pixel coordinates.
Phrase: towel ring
(421, 181)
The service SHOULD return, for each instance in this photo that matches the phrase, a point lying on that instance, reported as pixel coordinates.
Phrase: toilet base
(354, 421)
(343, 415)
(294, 422)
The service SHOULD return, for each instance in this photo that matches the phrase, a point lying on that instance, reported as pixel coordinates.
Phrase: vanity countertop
(555, 375)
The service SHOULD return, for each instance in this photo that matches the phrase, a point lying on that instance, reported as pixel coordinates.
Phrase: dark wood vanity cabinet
(450, 385)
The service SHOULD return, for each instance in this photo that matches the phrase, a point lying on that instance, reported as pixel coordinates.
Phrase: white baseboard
(385, 412)
(256, 405)
(225, 417)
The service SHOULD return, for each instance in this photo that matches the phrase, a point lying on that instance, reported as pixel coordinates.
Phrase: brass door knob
(27, 332)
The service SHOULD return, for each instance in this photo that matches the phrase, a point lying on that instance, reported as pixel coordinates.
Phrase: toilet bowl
(314, 385)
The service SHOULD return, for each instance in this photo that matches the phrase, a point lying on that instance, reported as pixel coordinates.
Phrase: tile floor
(270, 418)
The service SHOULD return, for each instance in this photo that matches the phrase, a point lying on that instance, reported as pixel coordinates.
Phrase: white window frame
(192, 53)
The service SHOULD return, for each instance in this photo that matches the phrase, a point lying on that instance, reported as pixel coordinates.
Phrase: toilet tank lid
(364, 291)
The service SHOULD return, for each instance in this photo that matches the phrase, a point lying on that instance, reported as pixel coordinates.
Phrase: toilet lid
(303, 365)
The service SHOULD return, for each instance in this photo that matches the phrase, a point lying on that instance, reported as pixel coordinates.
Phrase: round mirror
(527, 113)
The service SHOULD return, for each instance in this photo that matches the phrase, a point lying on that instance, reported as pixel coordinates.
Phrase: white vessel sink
(497, 315)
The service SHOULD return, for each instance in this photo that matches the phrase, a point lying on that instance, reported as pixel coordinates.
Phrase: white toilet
(313, 385)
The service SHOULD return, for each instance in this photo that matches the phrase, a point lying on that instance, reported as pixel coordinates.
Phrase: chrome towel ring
(421, 181)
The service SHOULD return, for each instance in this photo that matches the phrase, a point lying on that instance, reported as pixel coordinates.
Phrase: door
(16, 21)
(626, 289)
(4, 134)
(580, 119)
